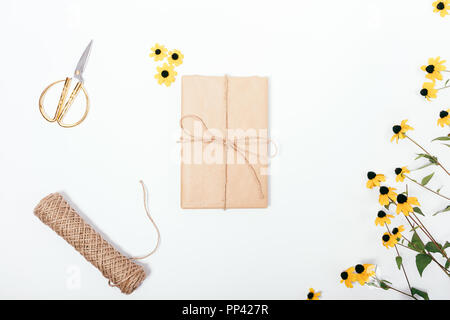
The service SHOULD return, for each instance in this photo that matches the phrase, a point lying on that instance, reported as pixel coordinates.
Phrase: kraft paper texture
(221, 103)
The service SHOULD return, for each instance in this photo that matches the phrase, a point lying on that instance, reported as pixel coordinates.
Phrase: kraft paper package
(224, 142)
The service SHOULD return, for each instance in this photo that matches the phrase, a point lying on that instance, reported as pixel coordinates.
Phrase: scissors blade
(82, 63)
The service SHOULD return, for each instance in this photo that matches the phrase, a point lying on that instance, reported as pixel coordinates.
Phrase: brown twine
(121, 272)
(226, 149)
(233, 144)
(144, 191)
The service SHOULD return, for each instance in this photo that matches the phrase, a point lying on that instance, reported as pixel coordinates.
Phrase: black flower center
(440, 6)
(381, 214)
(359, 268)
(398, 171)
(395, 231)
(384, 190)
(385, 237)
(157, 51)
(430, 68)
(371, 175)
(310, 295)
(344, 275)
(443, 114)
(396, 129)
(174, 56)
(424, 92)
(164, 73)
(401, 198)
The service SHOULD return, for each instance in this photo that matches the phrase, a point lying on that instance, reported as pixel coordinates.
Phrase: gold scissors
(64, 106)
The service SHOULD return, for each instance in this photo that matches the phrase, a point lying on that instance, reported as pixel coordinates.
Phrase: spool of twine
(120, 271)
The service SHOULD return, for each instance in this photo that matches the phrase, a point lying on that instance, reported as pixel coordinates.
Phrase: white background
(341, 74)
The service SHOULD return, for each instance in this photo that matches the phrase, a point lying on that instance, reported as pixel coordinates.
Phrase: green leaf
(446, 144)
(426, 165)
(430, 246)
(416, 244)
(398, 259)
(427, 179)
(444, 138)
(420, 293)
(446, 245)
(443, 210)
(383, 285)
(446, 82)
(447, 264)
(432, 159)
(422, 261)
(417, 210)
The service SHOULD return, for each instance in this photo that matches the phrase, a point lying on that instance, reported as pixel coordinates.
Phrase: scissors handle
(63, 106)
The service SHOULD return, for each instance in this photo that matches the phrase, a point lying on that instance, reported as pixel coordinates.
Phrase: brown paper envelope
(228, 182)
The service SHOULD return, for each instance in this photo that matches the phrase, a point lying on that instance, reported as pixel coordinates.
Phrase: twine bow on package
(224, 149)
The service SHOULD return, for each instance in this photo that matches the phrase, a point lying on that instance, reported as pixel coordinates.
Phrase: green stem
(427, 233)
(437, 162)
(424, 250)
(426, 187)
(409, 295)
(398, 253)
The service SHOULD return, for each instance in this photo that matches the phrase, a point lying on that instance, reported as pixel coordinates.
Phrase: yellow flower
(175, 57)
(444, 119)
(441, 6)
(166, 74)
(364, 272)
(386, 194)
(400, 130)
(428, 91)
(348, 277)
(312, 295)
(383, 218)
(400, 172)
(374, 179)
(159, 52)
(397, 232)
(404, 204)
(388, 240)
(434, 68)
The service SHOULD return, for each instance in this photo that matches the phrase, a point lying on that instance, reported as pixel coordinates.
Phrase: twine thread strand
(121, 272)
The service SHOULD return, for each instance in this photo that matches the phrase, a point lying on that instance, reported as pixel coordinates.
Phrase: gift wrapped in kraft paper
(224, 143)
